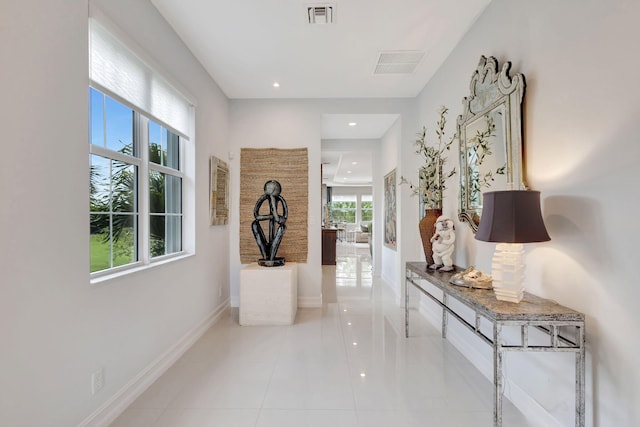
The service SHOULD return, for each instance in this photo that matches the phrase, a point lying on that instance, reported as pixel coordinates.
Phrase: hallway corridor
(346, 364)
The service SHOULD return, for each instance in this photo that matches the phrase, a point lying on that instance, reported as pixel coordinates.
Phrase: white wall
(278, 125)
(580, 134)
(391, 257)
(292, 124)
(55, 327)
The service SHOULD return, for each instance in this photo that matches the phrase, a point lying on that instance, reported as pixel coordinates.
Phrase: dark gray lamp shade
(511, 217)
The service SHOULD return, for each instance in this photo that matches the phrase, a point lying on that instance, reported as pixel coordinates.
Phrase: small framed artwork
(218, 192)
(390, 210)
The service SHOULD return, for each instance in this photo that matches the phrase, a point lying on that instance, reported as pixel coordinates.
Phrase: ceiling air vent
(398, 62)
(321, 14)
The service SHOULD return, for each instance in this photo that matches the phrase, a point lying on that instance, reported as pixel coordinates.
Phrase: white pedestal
(268, 295)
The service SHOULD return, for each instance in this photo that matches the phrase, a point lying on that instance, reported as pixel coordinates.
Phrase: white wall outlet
(97, 380)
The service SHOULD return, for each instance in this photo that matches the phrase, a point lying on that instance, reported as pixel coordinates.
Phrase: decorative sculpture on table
(269, 244)
(472, 278)
(442, 244)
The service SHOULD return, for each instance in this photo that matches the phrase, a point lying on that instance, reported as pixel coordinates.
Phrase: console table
(564, 326)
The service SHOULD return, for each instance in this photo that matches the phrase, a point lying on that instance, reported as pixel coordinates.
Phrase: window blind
(116, 68)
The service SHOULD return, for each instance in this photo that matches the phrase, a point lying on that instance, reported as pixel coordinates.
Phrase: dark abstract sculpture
(269, 244)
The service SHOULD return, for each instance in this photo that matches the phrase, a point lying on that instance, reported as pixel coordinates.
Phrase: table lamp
(510, 218)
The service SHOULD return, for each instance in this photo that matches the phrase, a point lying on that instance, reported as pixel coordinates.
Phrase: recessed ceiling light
(348, 171)
(276, 84)
(362, 374)
(354, 163)
(352, 124)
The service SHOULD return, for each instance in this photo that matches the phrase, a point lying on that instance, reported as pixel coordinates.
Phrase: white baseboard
(303, 302)
(397, 292)
(120, 401)
(526, 404)
(310, 302)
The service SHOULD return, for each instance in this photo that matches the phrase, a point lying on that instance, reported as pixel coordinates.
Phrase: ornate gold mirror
(490, 135)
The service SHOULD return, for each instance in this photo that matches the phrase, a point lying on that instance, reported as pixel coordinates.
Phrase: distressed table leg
(406, 307)
(497, 375)
(580, 379)
(444, 316)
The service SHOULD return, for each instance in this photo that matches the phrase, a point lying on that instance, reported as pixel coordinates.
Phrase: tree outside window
(118, 136)
(343, 209)
(366, 208)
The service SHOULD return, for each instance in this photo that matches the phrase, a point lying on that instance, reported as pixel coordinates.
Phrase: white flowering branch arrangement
(480, 148)
(432, 178)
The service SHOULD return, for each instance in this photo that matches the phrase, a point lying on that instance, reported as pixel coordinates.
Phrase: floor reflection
(346, 364)
(353, 273)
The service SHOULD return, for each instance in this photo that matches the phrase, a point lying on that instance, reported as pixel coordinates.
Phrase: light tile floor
(346, 364)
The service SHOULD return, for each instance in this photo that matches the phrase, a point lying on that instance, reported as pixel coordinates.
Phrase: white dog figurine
(442, 244)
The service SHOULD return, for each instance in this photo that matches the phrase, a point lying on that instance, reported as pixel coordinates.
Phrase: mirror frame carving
(489, 90)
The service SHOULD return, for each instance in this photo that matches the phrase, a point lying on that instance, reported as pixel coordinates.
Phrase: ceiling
(372, 49)
(350, 168)
(347, 167)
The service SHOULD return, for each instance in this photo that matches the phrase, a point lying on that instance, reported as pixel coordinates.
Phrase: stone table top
(531, 308)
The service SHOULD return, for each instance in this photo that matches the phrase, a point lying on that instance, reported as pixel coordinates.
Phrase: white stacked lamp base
(507, 270)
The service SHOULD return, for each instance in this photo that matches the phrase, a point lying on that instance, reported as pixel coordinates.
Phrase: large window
(139, 123)
(135, 186)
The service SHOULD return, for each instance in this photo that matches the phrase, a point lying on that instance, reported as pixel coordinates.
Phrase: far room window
(366, 208)
(343, 209)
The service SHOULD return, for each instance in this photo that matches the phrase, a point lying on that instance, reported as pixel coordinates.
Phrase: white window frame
(348, 198)
(184, 127)
(141, 161)
(361, 198)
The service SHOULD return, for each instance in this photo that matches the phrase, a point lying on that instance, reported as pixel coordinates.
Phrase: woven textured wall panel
(290, 167)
